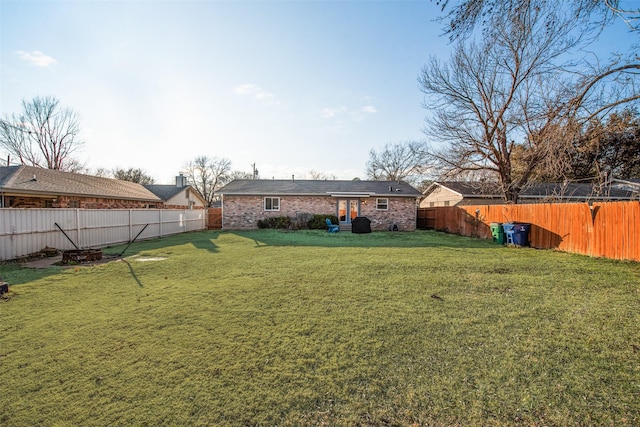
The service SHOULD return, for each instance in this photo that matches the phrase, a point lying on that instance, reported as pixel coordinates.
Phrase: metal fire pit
(81, 255)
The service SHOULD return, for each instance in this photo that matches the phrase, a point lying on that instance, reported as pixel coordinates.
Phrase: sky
(290, 86)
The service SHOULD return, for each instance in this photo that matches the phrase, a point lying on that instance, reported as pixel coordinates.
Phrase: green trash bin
(497, 233)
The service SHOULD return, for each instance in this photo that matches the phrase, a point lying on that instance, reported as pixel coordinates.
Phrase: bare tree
(207, 175)
(404, 161)
(320, 176)
(511, 93)
(463, 16)
(102, 173)
(240, 175)
(136, 175)
(604, 149)
(44, 135)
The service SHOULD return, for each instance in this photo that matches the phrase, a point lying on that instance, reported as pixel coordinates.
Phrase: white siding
(27, 231)
(441, 197)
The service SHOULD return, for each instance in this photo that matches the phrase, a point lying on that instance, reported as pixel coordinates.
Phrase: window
(382, 204)
(272, 203)
(75, 204)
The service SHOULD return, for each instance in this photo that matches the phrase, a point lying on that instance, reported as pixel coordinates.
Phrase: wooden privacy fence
(26, 231)
(608, 229)
(214, 218)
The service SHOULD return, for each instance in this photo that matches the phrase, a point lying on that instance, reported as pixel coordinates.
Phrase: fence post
(78, 238)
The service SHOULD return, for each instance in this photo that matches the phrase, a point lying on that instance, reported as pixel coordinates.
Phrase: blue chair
(332, 228)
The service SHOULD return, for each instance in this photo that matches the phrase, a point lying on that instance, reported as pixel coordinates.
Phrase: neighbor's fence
(610, 230)
(214, 218)
(26, 231)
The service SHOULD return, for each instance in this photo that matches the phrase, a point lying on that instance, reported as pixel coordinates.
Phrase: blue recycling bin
(517, 233)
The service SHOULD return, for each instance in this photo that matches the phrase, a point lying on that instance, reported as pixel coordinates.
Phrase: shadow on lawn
(133, 273)
(16, 274)
(200, 240)
(415, 239)
(212, 240)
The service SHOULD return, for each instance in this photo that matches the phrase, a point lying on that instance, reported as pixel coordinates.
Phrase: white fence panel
(173, 223)
(102, 227)
(26, 231)
(195, 219)
(24, 234)
(149, 219)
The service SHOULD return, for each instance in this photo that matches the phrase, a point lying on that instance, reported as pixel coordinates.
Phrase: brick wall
(401, 211)
(80, 202)
(244, 212)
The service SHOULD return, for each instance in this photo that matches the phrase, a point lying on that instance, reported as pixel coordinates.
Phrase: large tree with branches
(136, 175)
(512, 92)
(44, 134)
(207, 175)
(464, 16)
(403, 161)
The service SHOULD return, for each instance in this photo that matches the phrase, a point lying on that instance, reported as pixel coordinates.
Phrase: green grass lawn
(268, 328)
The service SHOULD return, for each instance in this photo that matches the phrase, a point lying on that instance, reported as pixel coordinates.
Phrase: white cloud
(255, 91)
(264, 96)
(245, 89)
(356, 115)
(363, 112)
(328, 113)
(37, 58)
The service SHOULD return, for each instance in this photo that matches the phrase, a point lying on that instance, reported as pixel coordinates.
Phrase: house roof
(29, 180)
(577, 191)
(166, 192)
(469, 188)
(288, 187)
(633, 183)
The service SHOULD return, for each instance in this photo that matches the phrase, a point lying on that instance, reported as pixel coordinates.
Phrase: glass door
(348, 209)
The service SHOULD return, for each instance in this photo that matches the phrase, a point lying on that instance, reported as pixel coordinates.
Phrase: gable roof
(569, 191)
(166, 192)
(288, 187)
(30, 180)
(468, 188)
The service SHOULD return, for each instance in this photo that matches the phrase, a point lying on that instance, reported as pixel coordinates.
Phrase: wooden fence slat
(214, 218)
(610, 230)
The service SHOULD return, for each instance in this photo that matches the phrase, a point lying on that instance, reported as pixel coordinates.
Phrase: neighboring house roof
(29, 180)
(626, 184)
(577, 191)
(167, 192)
(569, 191)
(284, 187)
(468, 189)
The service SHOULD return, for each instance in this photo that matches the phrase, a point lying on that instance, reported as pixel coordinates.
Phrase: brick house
(384, 203)
(32, 187)
(178, 196)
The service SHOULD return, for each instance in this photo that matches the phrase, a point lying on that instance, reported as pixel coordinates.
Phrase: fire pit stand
(81, 255)
(77, 254)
